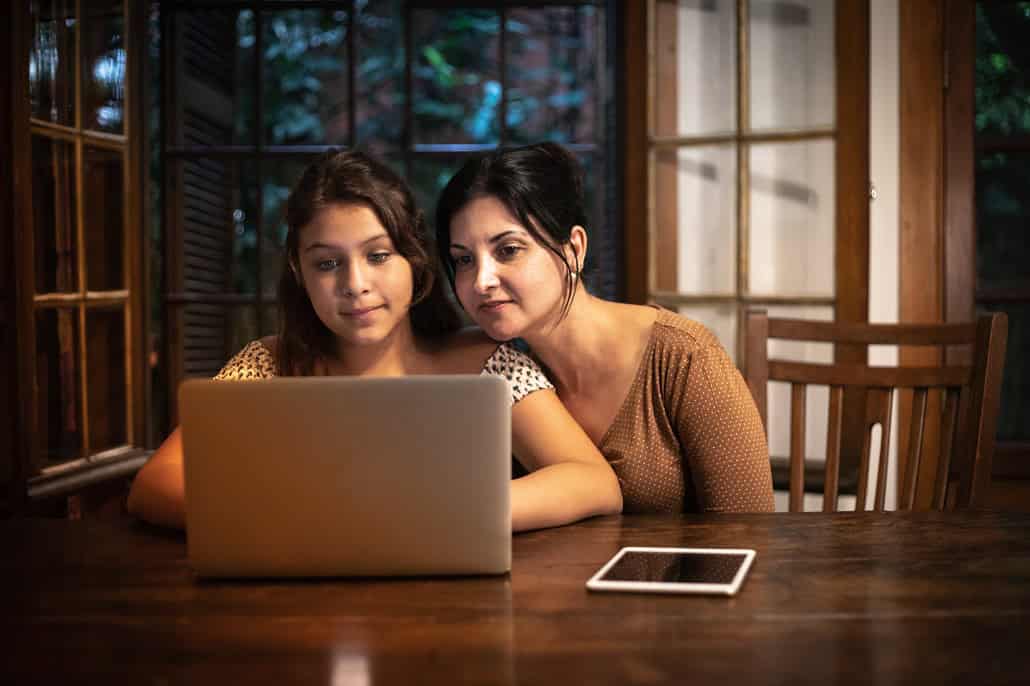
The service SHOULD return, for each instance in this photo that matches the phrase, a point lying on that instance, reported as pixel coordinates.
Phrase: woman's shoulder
(255, 361)
(680, 332)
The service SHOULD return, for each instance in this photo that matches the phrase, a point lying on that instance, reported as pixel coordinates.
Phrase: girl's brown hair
(352, 177)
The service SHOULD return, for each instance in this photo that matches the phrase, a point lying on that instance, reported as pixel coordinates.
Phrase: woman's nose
(486, 276)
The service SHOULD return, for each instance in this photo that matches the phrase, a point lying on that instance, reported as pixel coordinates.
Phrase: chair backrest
(971, 395)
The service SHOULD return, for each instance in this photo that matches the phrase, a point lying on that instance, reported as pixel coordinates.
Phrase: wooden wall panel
(8, 363)
(921, 250)
(665, 107)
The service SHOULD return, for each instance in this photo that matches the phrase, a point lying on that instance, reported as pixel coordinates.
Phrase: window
(253, 91)
(1002, 206)
(79, 264)
(742, 148)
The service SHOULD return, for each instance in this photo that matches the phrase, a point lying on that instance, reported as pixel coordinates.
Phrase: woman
(359, 296)
(654, 391)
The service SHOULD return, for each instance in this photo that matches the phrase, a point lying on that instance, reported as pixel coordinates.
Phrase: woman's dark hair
(352, 177)
(541, 185)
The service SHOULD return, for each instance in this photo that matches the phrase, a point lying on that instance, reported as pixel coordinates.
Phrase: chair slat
(878, 412)
(887, 334)
(949, 424)
(844, 374)
(831, 474)
(797, 447)
(915, 447)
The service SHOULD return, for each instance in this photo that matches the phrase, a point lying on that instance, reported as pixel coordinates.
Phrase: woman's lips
(494, 305)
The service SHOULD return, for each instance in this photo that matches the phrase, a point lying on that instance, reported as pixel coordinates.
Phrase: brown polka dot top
(688, 437)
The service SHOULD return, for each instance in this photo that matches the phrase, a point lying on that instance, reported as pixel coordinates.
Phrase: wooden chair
(971, 395)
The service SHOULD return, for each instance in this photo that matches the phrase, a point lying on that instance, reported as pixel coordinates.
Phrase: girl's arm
(157, 494)
(569, 478)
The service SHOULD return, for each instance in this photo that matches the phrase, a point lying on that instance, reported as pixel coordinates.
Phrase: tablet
(674, 570)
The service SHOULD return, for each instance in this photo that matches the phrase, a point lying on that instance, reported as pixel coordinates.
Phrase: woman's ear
(296, 273)
(578, 243)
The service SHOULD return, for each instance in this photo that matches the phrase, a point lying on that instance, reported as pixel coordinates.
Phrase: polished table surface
(846, 598)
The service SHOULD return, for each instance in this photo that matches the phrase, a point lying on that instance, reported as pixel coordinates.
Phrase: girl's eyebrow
(331, 246)
(492, 239)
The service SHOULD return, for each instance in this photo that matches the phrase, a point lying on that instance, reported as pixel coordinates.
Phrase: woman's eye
(379, 257)
(509, 251)
(461, 261)
(327, 265)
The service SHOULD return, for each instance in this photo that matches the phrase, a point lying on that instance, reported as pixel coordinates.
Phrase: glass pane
(817, 398)
(211, 334)
(269, 321)
(217, 225)
(52, 61)
(696, 197)
(103, 78)
(793, 64)
(599, 275)
(58, 404)
(379, 81)
(305, 67)
(54, 216)
(1002, 212)
(215, 101)
(278, 179)
(792, 219)
(1002, 62)
(553, 76)
(695, 67)
(1015, 383)
(457, 89)
(106, 382)
(103, 214)
(429, 174)
(721, 318)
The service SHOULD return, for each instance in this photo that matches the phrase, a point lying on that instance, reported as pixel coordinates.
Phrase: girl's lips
(493, 306)
(361, 312)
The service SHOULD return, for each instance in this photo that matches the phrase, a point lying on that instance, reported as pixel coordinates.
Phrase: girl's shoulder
(255, 361)
(463, 352)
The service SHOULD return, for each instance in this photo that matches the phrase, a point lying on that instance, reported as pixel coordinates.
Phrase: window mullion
(743, 163)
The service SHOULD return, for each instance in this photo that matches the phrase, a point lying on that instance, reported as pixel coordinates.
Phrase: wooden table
(938, 598)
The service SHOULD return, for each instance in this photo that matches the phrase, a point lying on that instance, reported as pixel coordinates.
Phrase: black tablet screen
(673, 567)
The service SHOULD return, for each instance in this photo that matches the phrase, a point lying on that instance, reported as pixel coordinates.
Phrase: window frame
(34, 478)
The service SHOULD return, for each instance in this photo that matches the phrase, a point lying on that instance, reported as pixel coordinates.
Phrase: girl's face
(359, 285)
(509, 283)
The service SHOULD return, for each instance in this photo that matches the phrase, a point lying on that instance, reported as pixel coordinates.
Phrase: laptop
(338, 476)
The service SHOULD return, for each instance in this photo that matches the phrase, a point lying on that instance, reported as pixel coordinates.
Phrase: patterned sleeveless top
(524, 376)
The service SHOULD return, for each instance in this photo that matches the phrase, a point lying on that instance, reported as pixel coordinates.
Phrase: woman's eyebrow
(492, 239)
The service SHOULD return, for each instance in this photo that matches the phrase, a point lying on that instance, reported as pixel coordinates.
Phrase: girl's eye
(461, 261)
(327, 265)
(379, 257)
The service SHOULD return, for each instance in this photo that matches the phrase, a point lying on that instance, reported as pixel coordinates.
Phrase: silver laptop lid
(344, 476)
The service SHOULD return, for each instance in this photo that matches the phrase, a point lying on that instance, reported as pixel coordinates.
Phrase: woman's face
(508, 282)
(359, 285)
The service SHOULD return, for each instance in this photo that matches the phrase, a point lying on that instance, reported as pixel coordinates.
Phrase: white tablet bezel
(596, 583)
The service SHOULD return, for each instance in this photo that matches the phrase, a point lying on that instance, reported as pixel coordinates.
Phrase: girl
(359, 296)
(654, 391)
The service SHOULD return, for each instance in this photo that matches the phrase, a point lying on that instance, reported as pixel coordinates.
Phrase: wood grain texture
(921, 183)
(842, 598)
